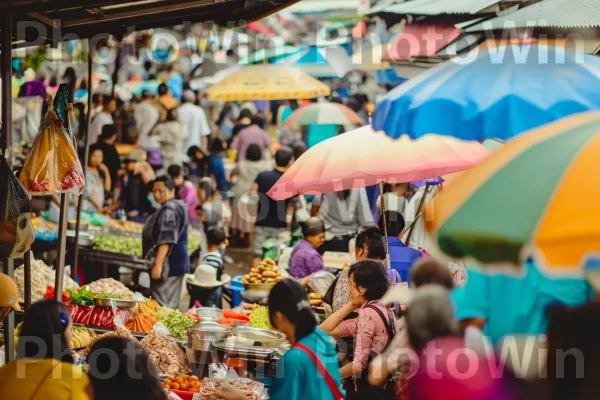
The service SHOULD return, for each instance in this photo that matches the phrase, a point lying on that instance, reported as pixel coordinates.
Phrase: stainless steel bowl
(249, 352)
(258, 289)
(209, 313)
(122, 304)
(261, 337)
(201, 335)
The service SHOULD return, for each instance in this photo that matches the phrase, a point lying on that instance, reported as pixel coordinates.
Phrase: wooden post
(86, 155)
(62, 246)
(6, 144)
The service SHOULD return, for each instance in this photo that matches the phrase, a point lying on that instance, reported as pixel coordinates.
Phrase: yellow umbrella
(372, 59)
(268, 82)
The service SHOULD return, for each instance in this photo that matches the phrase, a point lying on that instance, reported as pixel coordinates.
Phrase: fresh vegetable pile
(231, 317)
(116, 296)
(82, 296)
(140, 323)
(96, 316)
(132, 246)
(176, 322)
(149, 307)
(42, 276)
(82, 337)
(260, 318)
(50, 292)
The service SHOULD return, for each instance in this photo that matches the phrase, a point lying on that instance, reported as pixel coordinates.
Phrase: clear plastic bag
(53, 165)
(16, 229)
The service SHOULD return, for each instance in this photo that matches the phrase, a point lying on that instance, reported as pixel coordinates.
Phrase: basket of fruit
(261, 279)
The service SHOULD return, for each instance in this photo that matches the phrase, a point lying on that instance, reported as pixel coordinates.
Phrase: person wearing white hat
(194, 119)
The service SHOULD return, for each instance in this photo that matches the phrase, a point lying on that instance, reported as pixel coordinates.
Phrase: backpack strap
(335, 391)
(388, 327)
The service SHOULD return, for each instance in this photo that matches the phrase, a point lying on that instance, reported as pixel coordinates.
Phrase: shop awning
(547, 13)
(315, 6)
(434, 7)
(589, 46)
(89, 18)
(421, 40)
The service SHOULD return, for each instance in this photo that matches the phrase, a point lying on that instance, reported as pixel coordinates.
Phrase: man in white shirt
(415, 210)
(194, 118)
(146, 117)
(103, 118)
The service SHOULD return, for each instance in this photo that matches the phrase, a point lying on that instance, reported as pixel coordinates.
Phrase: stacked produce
(266, 272)
(231, 317)
(82, 337)
(183, 383)
(176, 322)
(249, 389)
(111, 286)
(260, 318)
(167, 356)
(126, 226)
(132, 246)
(140, 323)
(149, 307)
(316, 300)
(53, 165)
(118, 332)
(97, 316)
(42, 276)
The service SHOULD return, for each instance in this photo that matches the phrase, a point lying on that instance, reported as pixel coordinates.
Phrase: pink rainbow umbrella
(363, 157)
(324, 113)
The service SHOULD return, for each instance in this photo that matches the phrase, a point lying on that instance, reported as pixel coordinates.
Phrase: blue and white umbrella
(497, 95)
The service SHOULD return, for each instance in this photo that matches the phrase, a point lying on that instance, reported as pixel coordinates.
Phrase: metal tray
(251, 352)
(122, 304)
(262, 337)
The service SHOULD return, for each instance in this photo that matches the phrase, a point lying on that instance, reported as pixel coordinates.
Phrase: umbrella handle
(385, 233)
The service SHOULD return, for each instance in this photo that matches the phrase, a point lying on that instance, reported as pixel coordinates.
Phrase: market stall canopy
(421, 40)
(268, 54)
(318, 6)
(363, 158)
(574, 42)
(499, 94)
(436, 7)
(547, 13)
(59, 18)
(532, 197)
(268, 82)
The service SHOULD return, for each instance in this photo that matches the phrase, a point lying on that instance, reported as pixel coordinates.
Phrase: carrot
(229, 314)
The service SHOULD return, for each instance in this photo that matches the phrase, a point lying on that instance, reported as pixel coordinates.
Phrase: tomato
(175, 386)
(183, 387)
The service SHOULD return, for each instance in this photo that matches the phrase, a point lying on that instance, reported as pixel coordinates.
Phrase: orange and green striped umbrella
(537, 196)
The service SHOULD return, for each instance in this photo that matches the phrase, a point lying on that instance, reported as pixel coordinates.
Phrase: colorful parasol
(533, 197)
(324, 113)
(493, 94)
(321, 62)
(267, 82)
(363, 158)
(268, 54)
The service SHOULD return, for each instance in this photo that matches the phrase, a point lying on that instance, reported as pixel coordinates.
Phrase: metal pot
(201, 335)
(261, 337)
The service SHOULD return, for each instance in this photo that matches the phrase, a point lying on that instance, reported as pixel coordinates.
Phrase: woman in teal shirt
(310, 369)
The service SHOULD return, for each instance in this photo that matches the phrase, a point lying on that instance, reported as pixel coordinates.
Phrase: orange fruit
(179, 380)
(167, 382)
(183, 386)
(175, 386)
(193, 390)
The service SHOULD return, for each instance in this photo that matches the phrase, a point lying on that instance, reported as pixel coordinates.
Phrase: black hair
(299, 148)
(253, 152)
(283, 157)
(289, 298)
(191, 153)
(147, 65)
(53, 81)
(167, 180)
(96, 97)
(216, 146)
(259, 120)
(162, 89)
(395, 223)
(430, 271)
(70, 76)
(245, 113)
(174, 171)
(43, 332)
(343, 194)
(94, 148)
(372, 240)
(146, 94)
(215, 236)
(370, 275)
(107, 99)
(171, 114)
(112, 358)
(108, 131)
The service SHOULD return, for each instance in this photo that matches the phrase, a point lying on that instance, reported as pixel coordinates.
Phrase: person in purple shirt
(305, 259)
(402, 257)
(255, 133)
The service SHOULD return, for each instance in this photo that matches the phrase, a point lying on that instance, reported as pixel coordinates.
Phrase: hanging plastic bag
(52, 165)
(16, 228)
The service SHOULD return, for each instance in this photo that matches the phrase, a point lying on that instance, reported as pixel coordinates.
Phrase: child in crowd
(209, 293)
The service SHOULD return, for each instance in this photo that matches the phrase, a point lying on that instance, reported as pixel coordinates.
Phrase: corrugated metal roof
(435, 7)
(547, 13)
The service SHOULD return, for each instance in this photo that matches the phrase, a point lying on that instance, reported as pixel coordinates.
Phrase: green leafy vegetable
(116, 296)
(82, 296)
(176, 322)
(132, 246)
